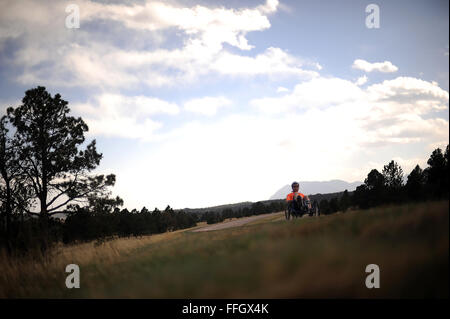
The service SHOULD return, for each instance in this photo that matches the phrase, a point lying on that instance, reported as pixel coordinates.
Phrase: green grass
(305, 258)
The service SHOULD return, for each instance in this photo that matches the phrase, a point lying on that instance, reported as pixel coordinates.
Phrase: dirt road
(236, 222)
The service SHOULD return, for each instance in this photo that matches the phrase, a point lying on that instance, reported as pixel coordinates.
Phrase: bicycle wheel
(287, 214)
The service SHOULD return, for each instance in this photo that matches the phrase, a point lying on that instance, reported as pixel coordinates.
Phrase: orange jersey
(291, 196)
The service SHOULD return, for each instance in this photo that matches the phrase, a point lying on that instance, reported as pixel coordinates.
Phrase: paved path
(235, 222)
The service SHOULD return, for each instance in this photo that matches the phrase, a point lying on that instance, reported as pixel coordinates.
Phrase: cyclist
(296, 200)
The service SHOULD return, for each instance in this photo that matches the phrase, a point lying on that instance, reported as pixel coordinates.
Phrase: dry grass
(304, 258)
(20, 275)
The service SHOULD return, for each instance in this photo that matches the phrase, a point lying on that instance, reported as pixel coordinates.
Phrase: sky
(201, 103)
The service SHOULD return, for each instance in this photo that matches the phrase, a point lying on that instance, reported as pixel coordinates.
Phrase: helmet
(294, 184)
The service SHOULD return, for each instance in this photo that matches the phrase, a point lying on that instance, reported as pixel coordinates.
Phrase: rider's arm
(309, 202)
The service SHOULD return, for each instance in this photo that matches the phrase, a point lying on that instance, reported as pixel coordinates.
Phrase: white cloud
(273, 61)
(385, 66)
(316, 93)
(385, 113)
(206, 105)
(408, 95)
(212, 26)
(155, 15)
(361, 80)
(282, 89)
(86, 58)
(115, 115)
(269, 7)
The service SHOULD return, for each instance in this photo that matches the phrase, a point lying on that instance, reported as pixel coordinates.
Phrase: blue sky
(198, 103)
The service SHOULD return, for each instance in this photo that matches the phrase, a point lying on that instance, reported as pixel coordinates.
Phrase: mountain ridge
(318, 187)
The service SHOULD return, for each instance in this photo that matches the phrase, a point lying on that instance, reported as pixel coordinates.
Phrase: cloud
(407, 95)
(110, 67)
(361, 80)
(272, 61)
(385, 67)
(269, 7)
(387, 113)
(115, 115)
(316, 93)
(88, 56)
(282, 89)
(206, 105)
(230, 23)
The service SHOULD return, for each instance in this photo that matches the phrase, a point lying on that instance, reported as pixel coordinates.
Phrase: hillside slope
(321, 257)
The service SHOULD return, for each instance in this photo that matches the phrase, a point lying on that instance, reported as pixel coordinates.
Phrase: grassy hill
(304, 258)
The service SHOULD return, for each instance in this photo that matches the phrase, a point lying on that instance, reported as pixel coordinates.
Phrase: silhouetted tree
(436, 174)
(393, 180)
(374, 180)
(393, 175)
(41, 163)
(375, 188)
(415, 184)
(446, 172)
(345, 202)
(360, 196)
(55, 166)
(9, 180)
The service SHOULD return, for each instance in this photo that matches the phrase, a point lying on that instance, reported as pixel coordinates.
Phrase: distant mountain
(311, 188)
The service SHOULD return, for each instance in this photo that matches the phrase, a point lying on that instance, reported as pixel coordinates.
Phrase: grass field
(322, 257)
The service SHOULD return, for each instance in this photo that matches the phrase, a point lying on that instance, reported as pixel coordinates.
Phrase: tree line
(99, 222)
(389, 186)
(257, 208)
